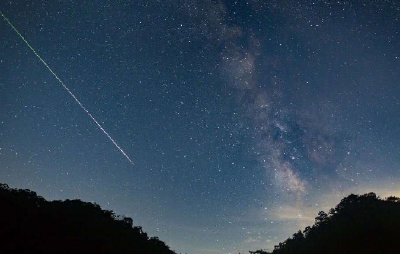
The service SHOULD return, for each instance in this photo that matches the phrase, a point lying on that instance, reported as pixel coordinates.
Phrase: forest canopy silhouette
(30, 224)
(359, 224)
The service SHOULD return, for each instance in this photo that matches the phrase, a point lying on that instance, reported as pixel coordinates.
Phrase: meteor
(69, 91)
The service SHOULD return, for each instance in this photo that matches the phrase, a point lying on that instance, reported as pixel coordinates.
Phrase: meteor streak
(69, 91)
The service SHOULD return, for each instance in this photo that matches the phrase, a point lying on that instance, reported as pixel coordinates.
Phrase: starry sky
(243, 118)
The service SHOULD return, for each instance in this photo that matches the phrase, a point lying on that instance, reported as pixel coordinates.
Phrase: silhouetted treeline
(30, 224)
(362, 224)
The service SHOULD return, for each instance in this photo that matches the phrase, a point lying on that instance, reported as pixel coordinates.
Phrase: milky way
(245, 118)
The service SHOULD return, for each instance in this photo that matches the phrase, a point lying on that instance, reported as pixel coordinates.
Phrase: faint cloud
(253, 239)
(299, 213)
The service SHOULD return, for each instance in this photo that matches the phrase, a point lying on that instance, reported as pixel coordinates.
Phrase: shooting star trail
(69, 91)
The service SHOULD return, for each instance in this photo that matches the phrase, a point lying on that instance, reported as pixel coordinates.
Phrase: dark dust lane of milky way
(243, 118)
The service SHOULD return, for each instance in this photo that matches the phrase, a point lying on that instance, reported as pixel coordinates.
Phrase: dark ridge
(30, 224)
(359, 224)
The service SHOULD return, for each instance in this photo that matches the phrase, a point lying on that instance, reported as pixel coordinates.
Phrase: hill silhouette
(30, 224)
(359, 224)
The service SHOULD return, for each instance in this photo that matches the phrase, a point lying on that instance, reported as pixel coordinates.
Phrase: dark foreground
(362, 224)
(30, 224)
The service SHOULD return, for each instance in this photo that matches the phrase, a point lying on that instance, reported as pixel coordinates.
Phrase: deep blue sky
(243, 118)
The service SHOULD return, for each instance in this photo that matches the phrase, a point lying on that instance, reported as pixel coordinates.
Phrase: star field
(243, 118)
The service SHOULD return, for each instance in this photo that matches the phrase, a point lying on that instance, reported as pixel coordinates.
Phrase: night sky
(243, 118)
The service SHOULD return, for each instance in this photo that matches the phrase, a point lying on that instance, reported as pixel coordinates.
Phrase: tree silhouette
(359, 224)
(30, 224)
(362, 224)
